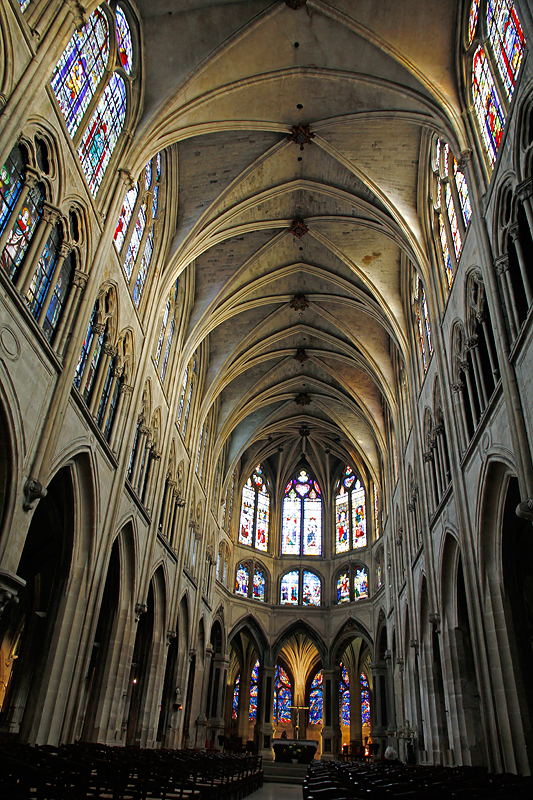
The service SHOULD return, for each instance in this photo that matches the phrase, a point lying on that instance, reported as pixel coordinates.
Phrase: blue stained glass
(42, 276)
(365, 700)
(158, 165)
(59, 295)
(12, 177)
(282, 695)
(154, 201)
(344, 691)
(254, 685)
(80, 69)
(101, 134)
(289, 588)
(148, 176)
(182, 396)
(125, 50)
(343, 587)
(259, 585)
(242, 580)
(316, 702)
(462, 191)
(144, 267)
(24, 5)
(360, 584)
(22, 232)
(311, 589)
(85, 350)
(235, 704)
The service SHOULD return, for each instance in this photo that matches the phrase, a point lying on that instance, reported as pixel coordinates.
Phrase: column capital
(524, 189)
(80, 278)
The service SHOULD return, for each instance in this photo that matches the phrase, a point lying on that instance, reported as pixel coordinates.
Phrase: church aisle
(277, 791)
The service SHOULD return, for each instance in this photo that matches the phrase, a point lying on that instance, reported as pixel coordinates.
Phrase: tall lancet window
(254, 687)
(282, 696)
(316, 698)
(302, 517)
(255, 512)
(344, 691)
(350, 513)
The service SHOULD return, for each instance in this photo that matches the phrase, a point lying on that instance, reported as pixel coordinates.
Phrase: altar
(286, 750)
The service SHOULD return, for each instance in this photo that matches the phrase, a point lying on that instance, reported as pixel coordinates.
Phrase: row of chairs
(382, 781)
(97, 772)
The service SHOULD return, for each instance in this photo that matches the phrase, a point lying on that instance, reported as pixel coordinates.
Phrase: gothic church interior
(266, 359)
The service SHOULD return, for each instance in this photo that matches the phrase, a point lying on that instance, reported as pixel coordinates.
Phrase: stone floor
(277, 791)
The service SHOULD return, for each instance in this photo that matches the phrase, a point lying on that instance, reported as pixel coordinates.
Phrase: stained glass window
(376, 512)
(255, 511)
(162, 331)
(101, 134)
(350, 513)
(365, 700)
(59, 296)
(452, 216)
(472, 20)
(12, 177)
(360, 583)
(254, 685)
(125, 51)
(81, 68)
(135, 241)
(24, 5)
(487, 104)
(22, 233)
(343, 587)
(316, 702)
(462, 191)
(282, 696)
(189, 398)
(125, 216)
(311, 589)
(182, 396)
(302, 517)
(507, 40)
(242, 580)
(42, 277)
(290, 588)
(423, 326)
(344, 691)
(235, 704)
(259, 585)
(167, 350)
(143, 269)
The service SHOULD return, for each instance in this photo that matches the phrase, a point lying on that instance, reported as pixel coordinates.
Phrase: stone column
(201, 721)
(501, 265)
(331, 734)
(109, 351)
(378, 708)
(97, 330)
(69, 313)
(264, 730)
(64, 252)
(218, 698)
(513, 230)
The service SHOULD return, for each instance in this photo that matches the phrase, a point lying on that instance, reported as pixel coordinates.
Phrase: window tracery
(344, 696)
(251, 580)
(350, 513)
(452, 208)
(255, 512)
(302, 517)
(310, 584)
(316, 699)
(282, 696)
(352, 583)
(492, 90)
(89, 100)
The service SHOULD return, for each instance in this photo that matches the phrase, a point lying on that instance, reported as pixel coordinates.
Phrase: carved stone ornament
(434, 617)
(295, 4)
(457, 387)
(524, 510)
(302, 399)
(299, 302)
(411, 507)
(33, 491)
(299, 228)
(524, 189)
(171, 635)
(10, 586)
(301, 356)
(140, 608)
(472, 341)
(501, 264)
(428, 456)
(415, 644)
(301, 134)
(399, 663)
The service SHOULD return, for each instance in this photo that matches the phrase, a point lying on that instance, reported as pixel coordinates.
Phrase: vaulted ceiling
(302, 330)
